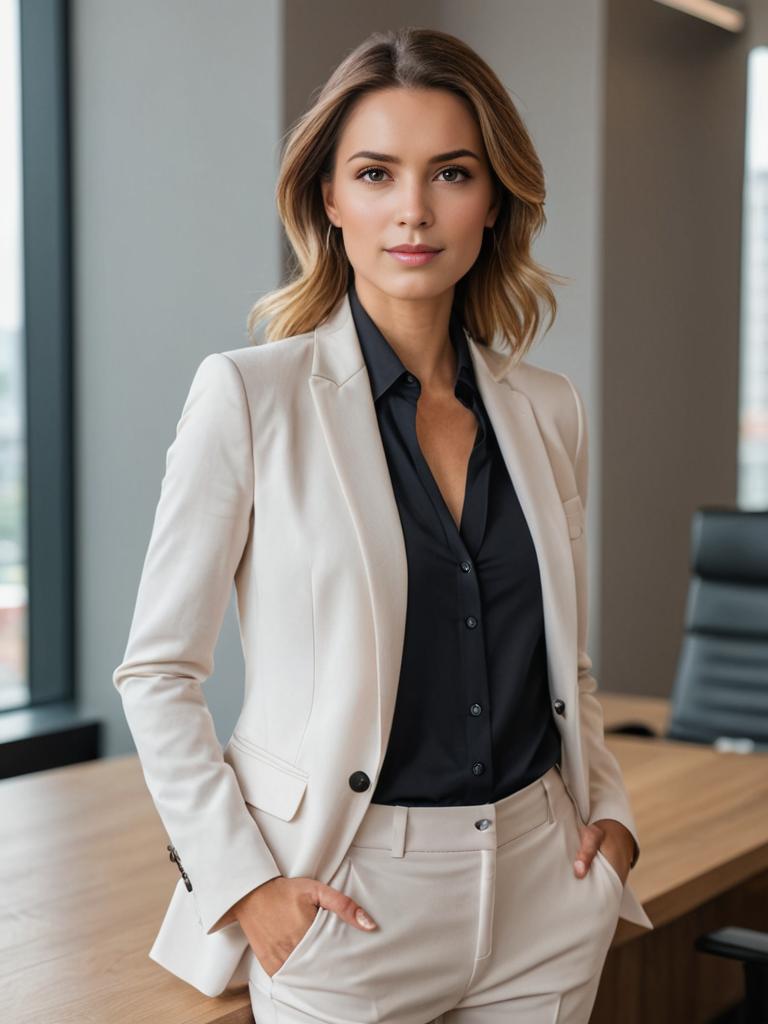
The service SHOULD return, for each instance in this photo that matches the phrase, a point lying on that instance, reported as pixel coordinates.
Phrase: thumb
(346, 908)
(590, 842)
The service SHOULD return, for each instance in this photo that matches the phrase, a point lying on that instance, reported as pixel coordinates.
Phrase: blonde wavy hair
(501, 294)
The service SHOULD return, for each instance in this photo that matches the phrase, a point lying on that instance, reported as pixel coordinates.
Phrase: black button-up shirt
(473, 721)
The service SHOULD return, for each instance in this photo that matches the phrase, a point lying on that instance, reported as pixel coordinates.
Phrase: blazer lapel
(341, 392)
(342, 395)
(530, 468)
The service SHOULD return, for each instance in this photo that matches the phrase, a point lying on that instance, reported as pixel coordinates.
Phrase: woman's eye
(454, 170)
(371, 170)
(363, 175)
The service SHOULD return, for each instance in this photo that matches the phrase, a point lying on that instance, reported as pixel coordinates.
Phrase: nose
(413, 208)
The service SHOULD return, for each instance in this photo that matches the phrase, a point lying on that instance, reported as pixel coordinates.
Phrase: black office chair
(751, 947)
(720, 692)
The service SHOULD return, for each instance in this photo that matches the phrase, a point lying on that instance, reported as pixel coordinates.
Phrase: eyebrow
(452, 154)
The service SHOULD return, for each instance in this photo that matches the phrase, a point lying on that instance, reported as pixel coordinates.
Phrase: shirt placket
(464, 546)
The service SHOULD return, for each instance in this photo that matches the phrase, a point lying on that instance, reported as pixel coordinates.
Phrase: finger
(346, 908)
(591, 837)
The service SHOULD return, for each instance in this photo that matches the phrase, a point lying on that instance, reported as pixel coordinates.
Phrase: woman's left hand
(613, 839)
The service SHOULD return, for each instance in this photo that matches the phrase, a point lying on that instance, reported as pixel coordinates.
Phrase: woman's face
(411, 168)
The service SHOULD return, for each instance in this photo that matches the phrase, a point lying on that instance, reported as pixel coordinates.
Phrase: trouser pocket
(259, 975)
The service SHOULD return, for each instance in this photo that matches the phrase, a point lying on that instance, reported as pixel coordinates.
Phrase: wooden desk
(702, 818)
(85, 879)
(628, 709)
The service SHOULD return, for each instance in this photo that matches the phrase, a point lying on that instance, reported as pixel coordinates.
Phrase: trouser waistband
(404, 829)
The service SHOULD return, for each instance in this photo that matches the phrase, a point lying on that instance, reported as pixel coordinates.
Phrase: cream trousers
(480, 919)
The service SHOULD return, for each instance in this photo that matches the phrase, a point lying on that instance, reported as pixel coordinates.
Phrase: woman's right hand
(276, 914)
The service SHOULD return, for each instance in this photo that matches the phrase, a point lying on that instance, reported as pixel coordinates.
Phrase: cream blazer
(277, 480)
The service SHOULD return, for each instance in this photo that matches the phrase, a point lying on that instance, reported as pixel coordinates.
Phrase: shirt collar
(385, 366)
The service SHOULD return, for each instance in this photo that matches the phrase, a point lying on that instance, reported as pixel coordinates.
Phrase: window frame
(48, 349)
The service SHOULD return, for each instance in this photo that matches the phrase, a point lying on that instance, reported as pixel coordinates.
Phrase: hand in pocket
(277, 915)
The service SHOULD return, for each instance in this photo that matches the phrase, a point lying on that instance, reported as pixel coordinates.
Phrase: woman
(416, 814)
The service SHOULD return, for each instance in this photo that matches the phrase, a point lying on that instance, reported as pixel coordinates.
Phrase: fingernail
(363, 918)
(580, 866)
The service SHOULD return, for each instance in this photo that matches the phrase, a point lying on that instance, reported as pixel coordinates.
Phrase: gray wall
(637, 114)
(177, 114)
(668, 398)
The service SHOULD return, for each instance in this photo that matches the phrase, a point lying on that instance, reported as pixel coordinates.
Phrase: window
(753, 402)
(13, 512)
(36, 600)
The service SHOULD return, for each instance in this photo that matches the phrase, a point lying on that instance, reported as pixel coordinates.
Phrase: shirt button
(465, 567)
(471, 621)
(478, 768)
(410, 378)
(483, 824)
(475, 709)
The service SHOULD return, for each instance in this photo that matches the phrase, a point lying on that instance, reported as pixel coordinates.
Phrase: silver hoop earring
(328, 236)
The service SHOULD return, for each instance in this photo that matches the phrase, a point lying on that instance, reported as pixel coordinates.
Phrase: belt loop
(399, 821)
(547, 783)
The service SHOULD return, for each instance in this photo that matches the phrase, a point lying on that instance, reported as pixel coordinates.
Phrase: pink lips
(414, 257)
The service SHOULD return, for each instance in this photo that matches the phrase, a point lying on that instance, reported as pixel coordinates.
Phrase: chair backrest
(720, 693)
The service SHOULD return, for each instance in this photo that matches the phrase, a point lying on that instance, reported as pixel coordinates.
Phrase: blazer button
(359, 781)
(559, 706)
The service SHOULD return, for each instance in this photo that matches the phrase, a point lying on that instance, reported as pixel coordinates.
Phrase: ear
(326, 189)
(493, 211)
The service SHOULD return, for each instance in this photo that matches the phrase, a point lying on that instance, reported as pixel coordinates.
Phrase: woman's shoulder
(554, 398)
(540, 384)
(274, 365)
(266, 353)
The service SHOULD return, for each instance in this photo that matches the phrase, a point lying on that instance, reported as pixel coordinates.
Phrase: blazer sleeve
(608, 794)
(200, 529)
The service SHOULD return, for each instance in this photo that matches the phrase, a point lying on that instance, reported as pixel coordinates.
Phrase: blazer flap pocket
(574, 514)
(266, 781)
